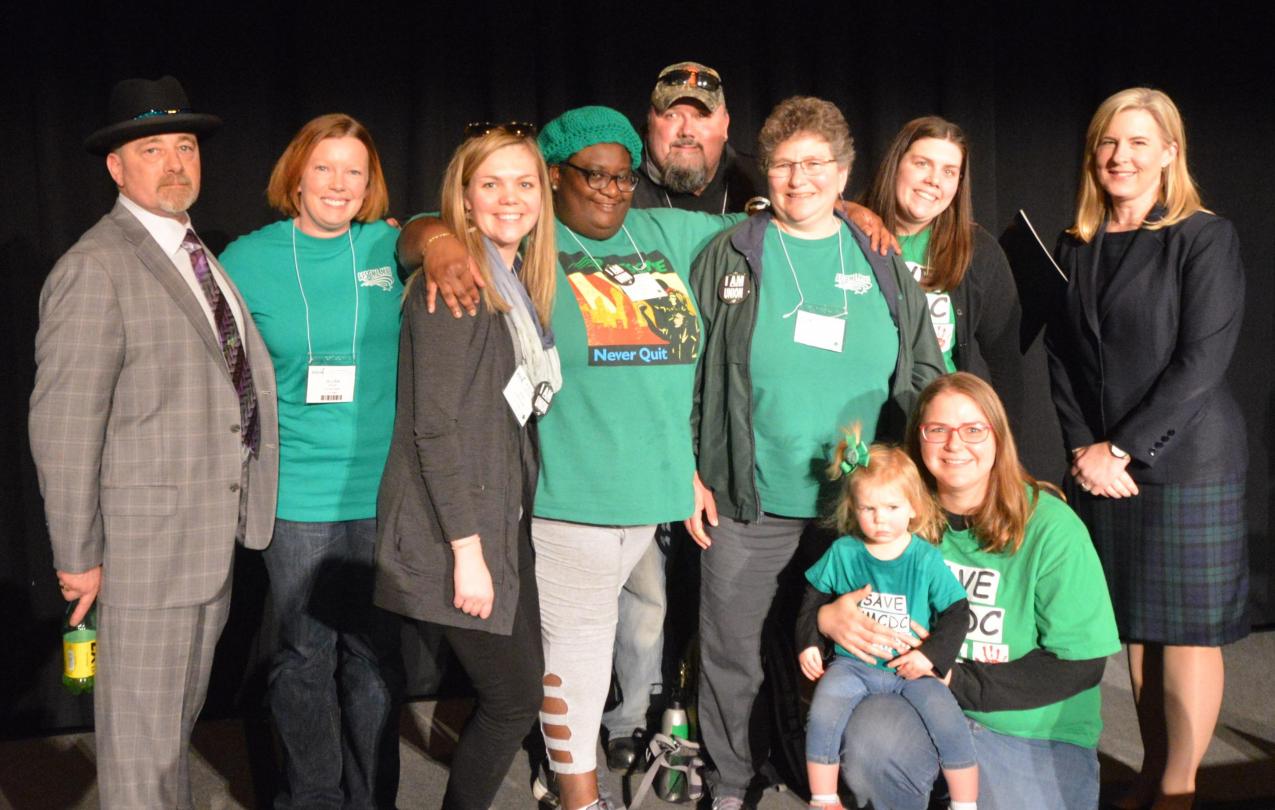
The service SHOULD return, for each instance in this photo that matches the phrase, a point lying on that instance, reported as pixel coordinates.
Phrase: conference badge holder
(820, 331)
(329, 383)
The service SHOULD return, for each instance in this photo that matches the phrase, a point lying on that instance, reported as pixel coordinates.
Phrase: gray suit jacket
(135, 425)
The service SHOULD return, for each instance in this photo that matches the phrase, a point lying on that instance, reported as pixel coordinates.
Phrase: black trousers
(505, 672)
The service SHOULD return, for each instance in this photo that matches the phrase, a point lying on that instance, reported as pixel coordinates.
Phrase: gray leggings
(580, 570)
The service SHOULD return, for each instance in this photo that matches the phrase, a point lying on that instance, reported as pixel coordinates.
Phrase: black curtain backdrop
(1021, 78)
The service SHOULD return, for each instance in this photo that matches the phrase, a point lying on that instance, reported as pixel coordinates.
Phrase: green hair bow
(856, 456)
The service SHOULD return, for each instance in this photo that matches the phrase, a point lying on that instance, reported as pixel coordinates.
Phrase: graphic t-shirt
(616, 446)
(916, 585)
(942, 317)
(1050, 594)
(804, 395)
(331, 455)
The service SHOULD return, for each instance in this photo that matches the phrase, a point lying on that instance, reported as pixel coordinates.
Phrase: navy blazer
(1143, 363)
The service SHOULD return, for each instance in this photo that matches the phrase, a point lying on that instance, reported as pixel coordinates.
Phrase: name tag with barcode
(326, 385)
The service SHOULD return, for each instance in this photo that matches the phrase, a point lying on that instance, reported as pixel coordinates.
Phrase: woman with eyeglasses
(1040, 631)
(616, 447)
(1139, 358)
(454, 537)
(323, 286)
(831, 334)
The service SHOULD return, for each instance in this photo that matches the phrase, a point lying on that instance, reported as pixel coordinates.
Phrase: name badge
(326, 385)
(520, 394)
(819, 331)
(644, 287)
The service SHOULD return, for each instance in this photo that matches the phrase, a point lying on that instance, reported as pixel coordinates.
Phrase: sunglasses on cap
(691, 78)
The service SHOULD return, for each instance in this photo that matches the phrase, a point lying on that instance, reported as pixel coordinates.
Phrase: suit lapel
(1146, 247)
(1085, 273)
(167, 274)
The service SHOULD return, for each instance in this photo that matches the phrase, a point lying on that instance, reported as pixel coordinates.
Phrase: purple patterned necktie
(228, 336)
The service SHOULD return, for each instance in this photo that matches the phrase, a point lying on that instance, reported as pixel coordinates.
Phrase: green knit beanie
(583, 127)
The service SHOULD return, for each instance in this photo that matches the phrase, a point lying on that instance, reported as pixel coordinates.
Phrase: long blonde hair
(887, 465)
(1001, 519)
(539, 257)
(1178, 193)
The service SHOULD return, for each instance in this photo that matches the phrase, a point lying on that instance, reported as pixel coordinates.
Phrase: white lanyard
(354, 267)
(598, 264)
(845, 300)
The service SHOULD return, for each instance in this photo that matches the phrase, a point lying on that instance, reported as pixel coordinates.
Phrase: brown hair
(887, 464)
(999, 522)
(539, 259)
(283, 192)
(952, 232)
(810, 115)
(1178, 193)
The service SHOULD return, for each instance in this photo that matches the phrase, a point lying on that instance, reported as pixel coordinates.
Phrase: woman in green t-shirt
(1041, 624)
(830, 334)
(322, 286)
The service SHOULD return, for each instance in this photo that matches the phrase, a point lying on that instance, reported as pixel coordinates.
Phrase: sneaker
(728, 803)
(544, 789)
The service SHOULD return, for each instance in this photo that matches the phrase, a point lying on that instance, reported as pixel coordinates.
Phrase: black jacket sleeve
(1037, 679)
(996, 329)
(945, 638)
(808, 621)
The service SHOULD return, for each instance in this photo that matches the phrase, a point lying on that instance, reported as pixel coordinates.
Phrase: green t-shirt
(942, 316)
(1050, 594)
(914, 586)
(331, 456)
(616, 445)
(802, 395)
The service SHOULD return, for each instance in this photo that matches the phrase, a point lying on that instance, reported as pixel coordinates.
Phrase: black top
(736, 181)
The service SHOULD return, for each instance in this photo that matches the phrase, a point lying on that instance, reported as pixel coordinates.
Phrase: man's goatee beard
(685, 179)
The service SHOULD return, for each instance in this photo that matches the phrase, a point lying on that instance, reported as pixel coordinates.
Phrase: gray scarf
(534, 348)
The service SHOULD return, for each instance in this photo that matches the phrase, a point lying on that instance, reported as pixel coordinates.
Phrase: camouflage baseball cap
(688, 80)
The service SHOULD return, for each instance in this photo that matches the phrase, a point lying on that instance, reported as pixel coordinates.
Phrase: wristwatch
(1116, 451)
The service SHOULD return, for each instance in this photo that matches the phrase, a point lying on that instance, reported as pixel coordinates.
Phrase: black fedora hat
(141, 107)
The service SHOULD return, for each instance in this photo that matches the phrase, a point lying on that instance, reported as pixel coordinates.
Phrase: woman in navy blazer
(1138, 360)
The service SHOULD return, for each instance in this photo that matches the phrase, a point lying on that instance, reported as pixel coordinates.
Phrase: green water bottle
(672, 785)
(79, 651)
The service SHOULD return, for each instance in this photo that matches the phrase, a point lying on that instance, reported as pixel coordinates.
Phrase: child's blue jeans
(846, 681)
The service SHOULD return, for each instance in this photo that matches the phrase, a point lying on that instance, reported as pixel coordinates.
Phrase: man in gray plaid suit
(154, 435)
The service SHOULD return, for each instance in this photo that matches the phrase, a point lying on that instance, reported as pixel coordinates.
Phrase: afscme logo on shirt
(382, 277)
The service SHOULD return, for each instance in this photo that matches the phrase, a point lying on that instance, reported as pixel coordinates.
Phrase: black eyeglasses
(970, 432)
(520, 129)
(692, 78)
(598, 180)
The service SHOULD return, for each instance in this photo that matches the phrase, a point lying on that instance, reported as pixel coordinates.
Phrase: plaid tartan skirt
(1176, 560)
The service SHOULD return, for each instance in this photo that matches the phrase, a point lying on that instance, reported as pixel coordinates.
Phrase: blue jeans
(847, 681)
(639, 644)
(889, 760)
(336, 675)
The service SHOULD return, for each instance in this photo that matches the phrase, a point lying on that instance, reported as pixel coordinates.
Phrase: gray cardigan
(459, 464)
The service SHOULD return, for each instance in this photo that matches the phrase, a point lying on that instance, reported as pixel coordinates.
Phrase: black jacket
(459, 464)
(1143, 363)
(988, 317)
(722, 407)
(736, 181)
